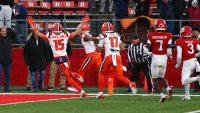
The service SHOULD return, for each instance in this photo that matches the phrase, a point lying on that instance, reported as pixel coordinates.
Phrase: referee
(138, 59)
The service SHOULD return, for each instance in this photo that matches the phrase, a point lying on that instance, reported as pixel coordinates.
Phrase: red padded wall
(19, 70)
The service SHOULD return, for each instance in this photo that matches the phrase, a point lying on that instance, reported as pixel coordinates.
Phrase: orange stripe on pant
(65, 71)
(93, 60)
(104, 68)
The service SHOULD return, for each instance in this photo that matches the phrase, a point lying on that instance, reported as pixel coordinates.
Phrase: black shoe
(63, 89)
(28, 88)
(128, 91)
(50, 88)
(7, 90)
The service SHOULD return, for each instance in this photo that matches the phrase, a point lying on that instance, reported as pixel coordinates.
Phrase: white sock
(187, 90)
(82, 91)
(162, 94)
(190, 80)
(168, 88)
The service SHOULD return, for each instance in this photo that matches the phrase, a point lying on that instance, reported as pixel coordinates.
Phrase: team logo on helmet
(186, 31)
(160, 24)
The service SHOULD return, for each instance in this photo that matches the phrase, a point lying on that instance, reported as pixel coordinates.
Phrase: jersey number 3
(191, 47)
(59, 44)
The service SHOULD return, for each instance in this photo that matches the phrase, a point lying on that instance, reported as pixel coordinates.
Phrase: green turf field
(110, 104)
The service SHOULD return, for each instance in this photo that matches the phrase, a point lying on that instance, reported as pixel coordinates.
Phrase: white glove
(177, 66)
(124, 68)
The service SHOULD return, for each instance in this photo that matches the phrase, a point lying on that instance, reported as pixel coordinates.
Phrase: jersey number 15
(59, 44)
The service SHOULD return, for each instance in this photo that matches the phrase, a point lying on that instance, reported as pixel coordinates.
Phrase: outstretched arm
(34, 29)
(79, 29)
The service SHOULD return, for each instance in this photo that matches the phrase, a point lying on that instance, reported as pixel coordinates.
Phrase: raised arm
(80, 27)
(34, 29)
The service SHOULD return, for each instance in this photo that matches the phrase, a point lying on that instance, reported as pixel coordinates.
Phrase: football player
(58, 41)
(161, 44)
(93, 59)
(110, 40)
(186, 49)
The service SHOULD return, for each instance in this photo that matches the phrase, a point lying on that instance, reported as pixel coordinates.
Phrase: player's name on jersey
(187, 41)
(159, 37)
(57, 36)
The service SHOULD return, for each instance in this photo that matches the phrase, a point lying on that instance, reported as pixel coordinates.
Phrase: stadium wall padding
(19, 70)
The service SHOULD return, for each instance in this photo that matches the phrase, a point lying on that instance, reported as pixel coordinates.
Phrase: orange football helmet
(107, 27)
(57, 27)
(86, 27)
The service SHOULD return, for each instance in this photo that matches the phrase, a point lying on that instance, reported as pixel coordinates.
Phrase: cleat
(78, 77)
(162, 99)
(100, 95)
(50, 88)
(169, 94)
(83, 93)
(62, 89)
(133, 88)
(186, 98)
(72, 89)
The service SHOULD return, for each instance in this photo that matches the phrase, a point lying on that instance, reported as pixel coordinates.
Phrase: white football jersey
(58, 43)
(111, 42)
(89, 46)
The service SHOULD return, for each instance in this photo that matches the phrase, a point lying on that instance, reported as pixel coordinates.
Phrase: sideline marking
(197, 111)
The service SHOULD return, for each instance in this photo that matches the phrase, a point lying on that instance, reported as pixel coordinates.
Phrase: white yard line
(197, 111)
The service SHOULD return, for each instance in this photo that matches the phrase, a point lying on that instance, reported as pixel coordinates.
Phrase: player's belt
(114, 50)
(60, 60)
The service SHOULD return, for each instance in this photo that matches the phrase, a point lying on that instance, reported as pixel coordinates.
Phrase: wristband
(34, 30)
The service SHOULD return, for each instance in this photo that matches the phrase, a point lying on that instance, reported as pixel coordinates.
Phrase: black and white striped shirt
(138, 52)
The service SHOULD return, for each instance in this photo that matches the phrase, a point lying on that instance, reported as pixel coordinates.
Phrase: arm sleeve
(179, 56)
(169, 51)
(148, 41)
(101, 43)
(170, 41)
(198, 47)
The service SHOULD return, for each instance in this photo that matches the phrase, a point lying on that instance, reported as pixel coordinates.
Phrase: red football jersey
(189, 46)
(159, 41)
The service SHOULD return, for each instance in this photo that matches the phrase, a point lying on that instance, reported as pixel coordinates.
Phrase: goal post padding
(136, 27)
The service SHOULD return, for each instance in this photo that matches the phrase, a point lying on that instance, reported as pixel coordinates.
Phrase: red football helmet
(86, 27)
(186, 31)
(107, 27)
(57, 27)
(160, 24)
